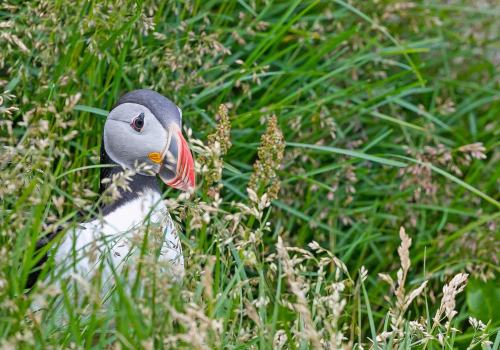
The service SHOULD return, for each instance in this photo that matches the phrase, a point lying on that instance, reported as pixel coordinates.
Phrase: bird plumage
(106, 242)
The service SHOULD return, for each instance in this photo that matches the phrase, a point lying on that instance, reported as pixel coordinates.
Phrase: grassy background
(365, 93)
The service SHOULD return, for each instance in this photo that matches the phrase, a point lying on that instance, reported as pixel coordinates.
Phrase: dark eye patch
(138, 122)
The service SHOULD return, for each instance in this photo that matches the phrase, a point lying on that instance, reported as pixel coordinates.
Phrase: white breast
(109, 244)
(119, 229)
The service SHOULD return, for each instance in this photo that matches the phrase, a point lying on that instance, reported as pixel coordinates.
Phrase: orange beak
(176, 161)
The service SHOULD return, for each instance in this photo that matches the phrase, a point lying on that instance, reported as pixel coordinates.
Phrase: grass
(382, 106)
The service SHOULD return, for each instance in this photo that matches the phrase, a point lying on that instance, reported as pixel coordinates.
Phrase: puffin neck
(140, 184)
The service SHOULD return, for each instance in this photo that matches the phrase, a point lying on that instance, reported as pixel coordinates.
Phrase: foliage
(389, 114)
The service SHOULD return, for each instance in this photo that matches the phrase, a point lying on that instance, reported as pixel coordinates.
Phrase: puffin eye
(138, 122)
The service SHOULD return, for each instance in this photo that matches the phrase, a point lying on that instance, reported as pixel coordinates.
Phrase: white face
(125, 144)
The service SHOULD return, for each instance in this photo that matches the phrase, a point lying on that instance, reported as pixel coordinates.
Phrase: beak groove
(177, 168)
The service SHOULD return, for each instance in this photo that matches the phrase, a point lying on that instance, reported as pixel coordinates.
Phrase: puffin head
(145, 127)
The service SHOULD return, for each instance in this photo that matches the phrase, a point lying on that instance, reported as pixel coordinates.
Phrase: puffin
(143, 127)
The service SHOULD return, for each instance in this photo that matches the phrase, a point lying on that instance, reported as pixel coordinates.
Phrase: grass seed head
(270, 154)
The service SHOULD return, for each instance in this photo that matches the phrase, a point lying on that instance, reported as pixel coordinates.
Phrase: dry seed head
(426, 182)
(475, 150)
(209, 162)
(404, 249)
(386, 278)
(477, 324)
(8, 110)
(403, 299)
(270, 154)
(363, 273)
(222, 132)
(274, 189)
(450, 290)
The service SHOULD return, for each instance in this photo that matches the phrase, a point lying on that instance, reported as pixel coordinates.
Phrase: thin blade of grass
(346, 152)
